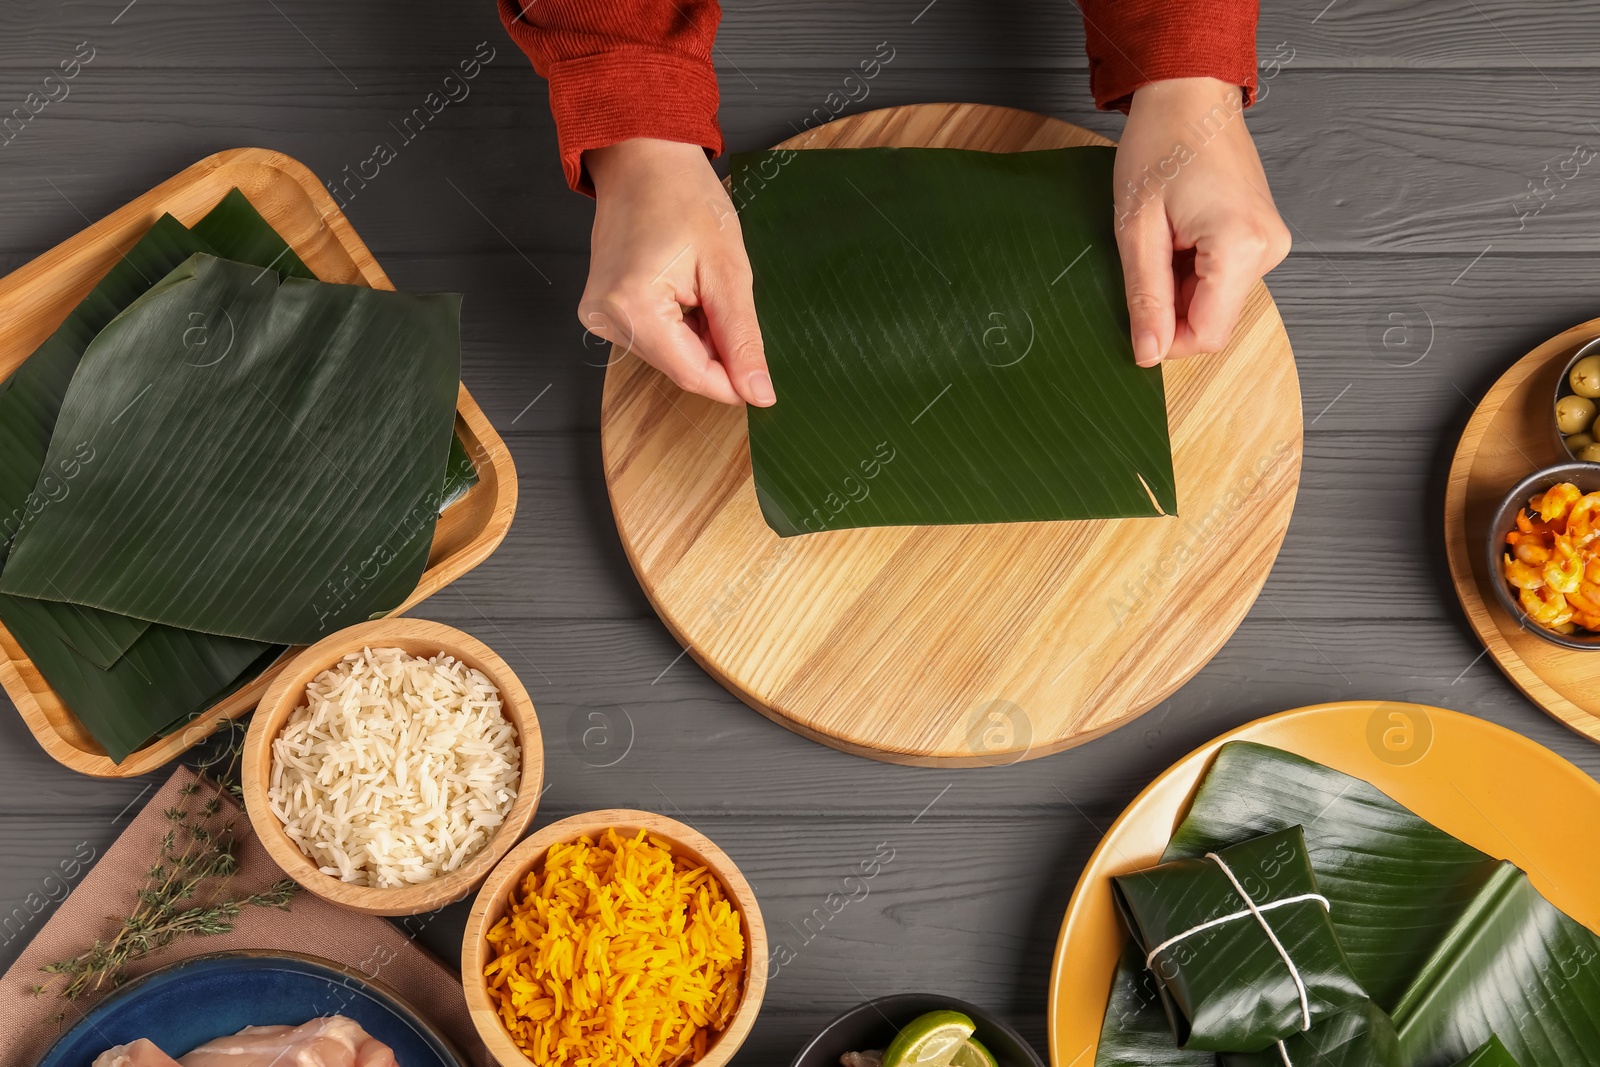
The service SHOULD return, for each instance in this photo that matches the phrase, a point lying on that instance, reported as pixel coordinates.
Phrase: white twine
(1256, 910)
(1149, 960)
(1294, 972)
(1287, 1062)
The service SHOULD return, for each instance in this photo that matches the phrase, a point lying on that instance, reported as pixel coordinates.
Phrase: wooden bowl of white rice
(391, 765)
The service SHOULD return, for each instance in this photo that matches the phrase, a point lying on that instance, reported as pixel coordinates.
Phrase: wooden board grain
(960, 645)
(1507, 439)
(36, 297)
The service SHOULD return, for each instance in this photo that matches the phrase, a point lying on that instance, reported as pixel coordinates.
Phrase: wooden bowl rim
(520, 860)
(283, 697)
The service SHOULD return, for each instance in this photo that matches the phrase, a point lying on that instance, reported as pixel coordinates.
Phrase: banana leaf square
(947, 333)
(1491, 1054)
(1362, 1037)
(1227, 983)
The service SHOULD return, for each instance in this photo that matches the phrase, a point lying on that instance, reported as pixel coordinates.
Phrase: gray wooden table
(1402, 140)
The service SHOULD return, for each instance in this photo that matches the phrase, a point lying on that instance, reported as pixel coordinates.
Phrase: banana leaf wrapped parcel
(1240, 943)
(1464, 960)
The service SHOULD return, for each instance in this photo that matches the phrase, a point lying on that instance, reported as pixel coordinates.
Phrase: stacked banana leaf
(214, 457)
(1460, 960)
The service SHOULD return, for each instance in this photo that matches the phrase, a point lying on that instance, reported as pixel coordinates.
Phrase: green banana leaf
(1492, 1054)
(119, 708)
(1514, 967)
(1223, 982)
(948, 338)
(1361, 1037)
(1419, 880)
(460, 475)
(1136, 1028)
(167, 676)
(1455, 946)
(30, 400)
(235, 230)
(272, 456)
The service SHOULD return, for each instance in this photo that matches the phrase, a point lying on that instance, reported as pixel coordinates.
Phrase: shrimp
(1581, 519)
(1531, 550)
(1564, 570)
(1556, 502)
(1547, 607)
(1529, 525)
(1585, 600)
(1522, 575)
(1552, 559)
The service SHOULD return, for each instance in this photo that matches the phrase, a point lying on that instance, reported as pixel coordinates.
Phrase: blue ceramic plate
(196, 1000)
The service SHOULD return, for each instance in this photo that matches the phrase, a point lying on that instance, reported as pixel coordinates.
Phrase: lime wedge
(973, 1054)
(931, 1040)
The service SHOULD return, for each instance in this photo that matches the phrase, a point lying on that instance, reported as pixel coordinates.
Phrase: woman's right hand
(668, 276)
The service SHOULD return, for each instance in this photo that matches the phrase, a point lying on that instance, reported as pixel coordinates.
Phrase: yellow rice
(616, 952)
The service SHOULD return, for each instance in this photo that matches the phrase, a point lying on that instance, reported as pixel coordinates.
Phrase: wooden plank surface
(1399, 138)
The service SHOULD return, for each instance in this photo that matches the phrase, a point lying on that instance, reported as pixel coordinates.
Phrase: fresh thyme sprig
(185, 894)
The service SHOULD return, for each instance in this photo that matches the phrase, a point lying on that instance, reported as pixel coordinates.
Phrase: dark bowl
(1586, 476)
(873, 1025)
(1564, 388)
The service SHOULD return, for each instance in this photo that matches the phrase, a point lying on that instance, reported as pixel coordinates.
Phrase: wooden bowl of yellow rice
(619, 935)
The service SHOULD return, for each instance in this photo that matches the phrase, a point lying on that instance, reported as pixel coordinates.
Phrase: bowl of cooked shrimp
(1544, 554)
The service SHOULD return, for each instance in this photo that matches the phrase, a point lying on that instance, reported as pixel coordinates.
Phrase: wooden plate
(1507, 439)
(959, 645)
(1428, 759)
(36, 297)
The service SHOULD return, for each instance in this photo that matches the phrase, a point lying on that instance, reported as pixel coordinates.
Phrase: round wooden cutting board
(959, 645)
(1507, 439)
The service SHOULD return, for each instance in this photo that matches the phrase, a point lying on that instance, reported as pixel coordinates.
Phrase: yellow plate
(1492, 788)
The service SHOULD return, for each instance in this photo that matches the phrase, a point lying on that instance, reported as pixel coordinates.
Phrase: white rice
(397, 770)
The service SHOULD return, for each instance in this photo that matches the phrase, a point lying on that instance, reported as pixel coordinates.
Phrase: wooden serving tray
(37, 297)
(959, 645)
(1507, 439)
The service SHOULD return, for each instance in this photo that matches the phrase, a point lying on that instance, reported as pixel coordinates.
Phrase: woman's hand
(668, 276)
(1195, 223)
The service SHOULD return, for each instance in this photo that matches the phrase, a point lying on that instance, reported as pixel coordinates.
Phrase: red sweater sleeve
(621, 68)
(1135, 42)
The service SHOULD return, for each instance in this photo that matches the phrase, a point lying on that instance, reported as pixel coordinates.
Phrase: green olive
(1578, 442)
(1585, 376)
(1590, 453)
(1574, 414)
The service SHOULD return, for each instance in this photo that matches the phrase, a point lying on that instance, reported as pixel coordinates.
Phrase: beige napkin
(379, 949)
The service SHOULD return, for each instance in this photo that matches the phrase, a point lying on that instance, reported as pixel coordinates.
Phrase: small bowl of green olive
(1578, 402)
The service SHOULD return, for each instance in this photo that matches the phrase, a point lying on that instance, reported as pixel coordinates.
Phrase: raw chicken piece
(140, 1053)
(331, 1042)
(874, 1058)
